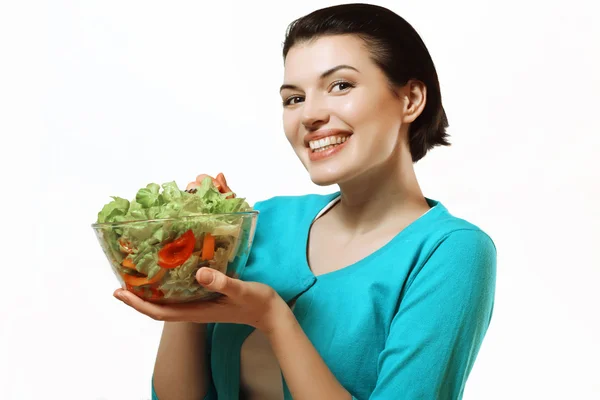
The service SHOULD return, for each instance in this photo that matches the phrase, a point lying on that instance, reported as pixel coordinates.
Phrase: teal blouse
(405, 322)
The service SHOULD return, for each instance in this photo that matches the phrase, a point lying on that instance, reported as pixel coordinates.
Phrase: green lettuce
(182, 280)
(172, 202)
(112, 211)
(149, 196)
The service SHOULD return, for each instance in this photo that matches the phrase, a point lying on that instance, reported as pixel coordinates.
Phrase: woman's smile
(324, 143)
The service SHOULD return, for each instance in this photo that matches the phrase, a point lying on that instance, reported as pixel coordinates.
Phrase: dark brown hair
(395, 47)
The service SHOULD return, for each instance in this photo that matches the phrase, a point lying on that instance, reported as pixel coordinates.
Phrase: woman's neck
(380, 198)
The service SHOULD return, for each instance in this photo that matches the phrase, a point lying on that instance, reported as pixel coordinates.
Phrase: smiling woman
(374, 291)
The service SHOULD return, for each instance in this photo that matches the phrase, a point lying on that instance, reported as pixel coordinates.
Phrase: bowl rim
(137, 221)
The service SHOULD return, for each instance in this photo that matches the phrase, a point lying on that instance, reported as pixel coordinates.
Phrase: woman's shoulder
(447, 235)
(440, 222)
(443, 249)
(450, 237)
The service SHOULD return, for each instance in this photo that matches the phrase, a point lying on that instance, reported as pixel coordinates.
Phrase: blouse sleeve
(441, 321)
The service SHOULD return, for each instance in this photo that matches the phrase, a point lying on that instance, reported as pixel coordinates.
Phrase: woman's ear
(414, 95)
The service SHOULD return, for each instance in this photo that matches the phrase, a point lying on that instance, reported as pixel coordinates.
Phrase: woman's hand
(220, 183)
(248, 303)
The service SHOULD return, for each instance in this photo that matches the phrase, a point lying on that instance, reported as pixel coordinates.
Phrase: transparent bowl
(157, 260)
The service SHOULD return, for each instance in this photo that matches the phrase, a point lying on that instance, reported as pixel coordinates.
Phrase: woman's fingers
(216, 281)
(154, 311)
(161, 312)
(192, 185)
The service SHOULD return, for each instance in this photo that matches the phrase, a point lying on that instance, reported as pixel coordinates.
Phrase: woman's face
(339, 114)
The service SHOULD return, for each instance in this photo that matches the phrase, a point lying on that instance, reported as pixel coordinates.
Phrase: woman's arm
(180, 371)
(306, 374)
(441, 322)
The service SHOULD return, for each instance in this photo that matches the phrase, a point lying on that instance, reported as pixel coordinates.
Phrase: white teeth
(325, 143)
(323, 148)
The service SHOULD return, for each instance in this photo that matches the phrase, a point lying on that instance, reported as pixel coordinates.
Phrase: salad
(157, 242)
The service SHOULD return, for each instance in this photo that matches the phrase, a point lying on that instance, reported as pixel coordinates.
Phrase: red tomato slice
(177, 252)
(156, 294)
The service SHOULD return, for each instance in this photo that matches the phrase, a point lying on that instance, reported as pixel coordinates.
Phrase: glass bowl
(157, 260)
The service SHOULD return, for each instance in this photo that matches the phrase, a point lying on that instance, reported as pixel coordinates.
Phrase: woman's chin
(325, 178)
(324, 183)
(326, 172)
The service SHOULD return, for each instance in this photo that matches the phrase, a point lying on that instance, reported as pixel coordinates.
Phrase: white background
(99, 98)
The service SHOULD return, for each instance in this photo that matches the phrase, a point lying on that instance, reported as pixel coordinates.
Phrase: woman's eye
(292, 100)
(342, 85)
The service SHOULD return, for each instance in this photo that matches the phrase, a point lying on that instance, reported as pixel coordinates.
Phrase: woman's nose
(314, 114)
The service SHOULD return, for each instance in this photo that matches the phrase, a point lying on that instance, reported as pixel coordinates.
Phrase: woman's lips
(323, 133)
(323, 154)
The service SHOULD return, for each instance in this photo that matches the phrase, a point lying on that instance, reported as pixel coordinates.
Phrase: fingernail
(205, 276)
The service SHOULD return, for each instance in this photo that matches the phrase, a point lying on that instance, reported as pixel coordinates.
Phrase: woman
(372, 292)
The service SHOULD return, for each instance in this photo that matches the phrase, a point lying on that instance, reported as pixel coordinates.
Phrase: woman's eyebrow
(323, 75)
(334, 69)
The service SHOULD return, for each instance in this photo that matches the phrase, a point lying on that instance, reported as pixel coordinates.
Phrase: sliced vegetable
(175, 253)
(157, 294)
(135, 290)
(143, 280)
(127, 263)
(125, 246)
(208, 247)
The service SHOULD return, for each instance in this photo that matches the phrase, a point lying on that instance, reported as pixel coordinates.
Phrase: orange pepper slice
(127, 263)
(208, 247)
(143, 280)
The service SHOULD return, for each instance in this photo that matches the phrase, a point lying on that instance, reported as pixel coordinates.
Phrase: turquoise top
(405, 322)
